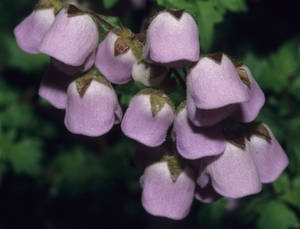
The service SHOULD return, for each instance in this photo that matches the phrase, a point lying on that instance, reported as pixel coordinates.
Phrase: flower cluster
(207, 148)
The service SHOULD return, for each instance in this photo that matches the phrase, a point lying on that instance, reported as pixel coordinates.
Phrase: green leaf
(25, 157)
(282, 184)
(25, 62)
(212, 215)
(207, 16)
(109, 3)
(234, 5)
(276, 215)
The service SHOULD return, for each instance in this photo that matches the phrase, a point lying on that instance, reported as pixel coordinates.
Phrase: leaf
(109, 3)
(282, 184)
(234, 5)
(277, 215)
(25, 157)
(25, 62)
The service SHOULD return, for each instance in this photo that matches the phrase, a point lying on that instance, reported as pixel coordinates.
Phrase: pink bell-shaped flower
(214, 87)
(71, 38)
(247, 111)
(54, 87)
(269, 156)
(32, 29)
(148, 117)
(195, 142)
(214, 84)
(92, 107)
(172, 39)
(117, 54)
(164, 196)
(233, 174)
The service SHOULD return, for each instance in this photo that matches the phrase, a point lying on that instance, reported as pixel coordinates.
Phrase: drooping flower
(117, 54)
(148, 117)
(162, 196)
(92, 107)
(71, 38)
(54, 86)
(247, 111)
(195, 142)
(214, 89)
(32, 29)
(172, 39)
(233, 174)
(269, 156)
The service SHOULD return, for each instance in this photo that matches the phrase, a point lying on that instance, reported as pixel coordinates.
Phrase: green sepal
(48, 4)
(83, 83)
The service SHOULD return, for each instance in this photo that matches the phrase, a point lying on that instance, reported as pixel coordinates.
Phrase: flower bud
(162, 196)
(92, 106)
(148, 117)
(117, 54)
(196, 142)
(71, 38)
(172, 39)
(148, 74)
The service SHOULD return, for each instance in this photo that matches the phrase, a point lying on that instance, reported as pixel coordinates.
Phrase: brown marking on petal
(243, 75)
(175, 167)
(121, 46)
(262, 132)
(176, 13)
(237, 139)
(216, 56)
(157, 103)
(82, 84)
(74, 10)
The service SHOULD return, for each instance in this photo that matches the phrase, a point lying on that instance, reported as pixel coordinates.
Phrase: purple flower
(195, 142)
(148, 117)
(270, 158)
(233, 174)
(207, 194)
(247, 111)
(54, 87)
(207, 117)
(71, 38)
(92, 107)
(32, 29)
(214, 87)
(162, 196)
(172, 39)
(115, 56)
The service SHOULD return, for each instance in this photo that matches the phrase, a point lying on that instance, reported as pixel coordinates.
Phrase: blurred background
(50, 178)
